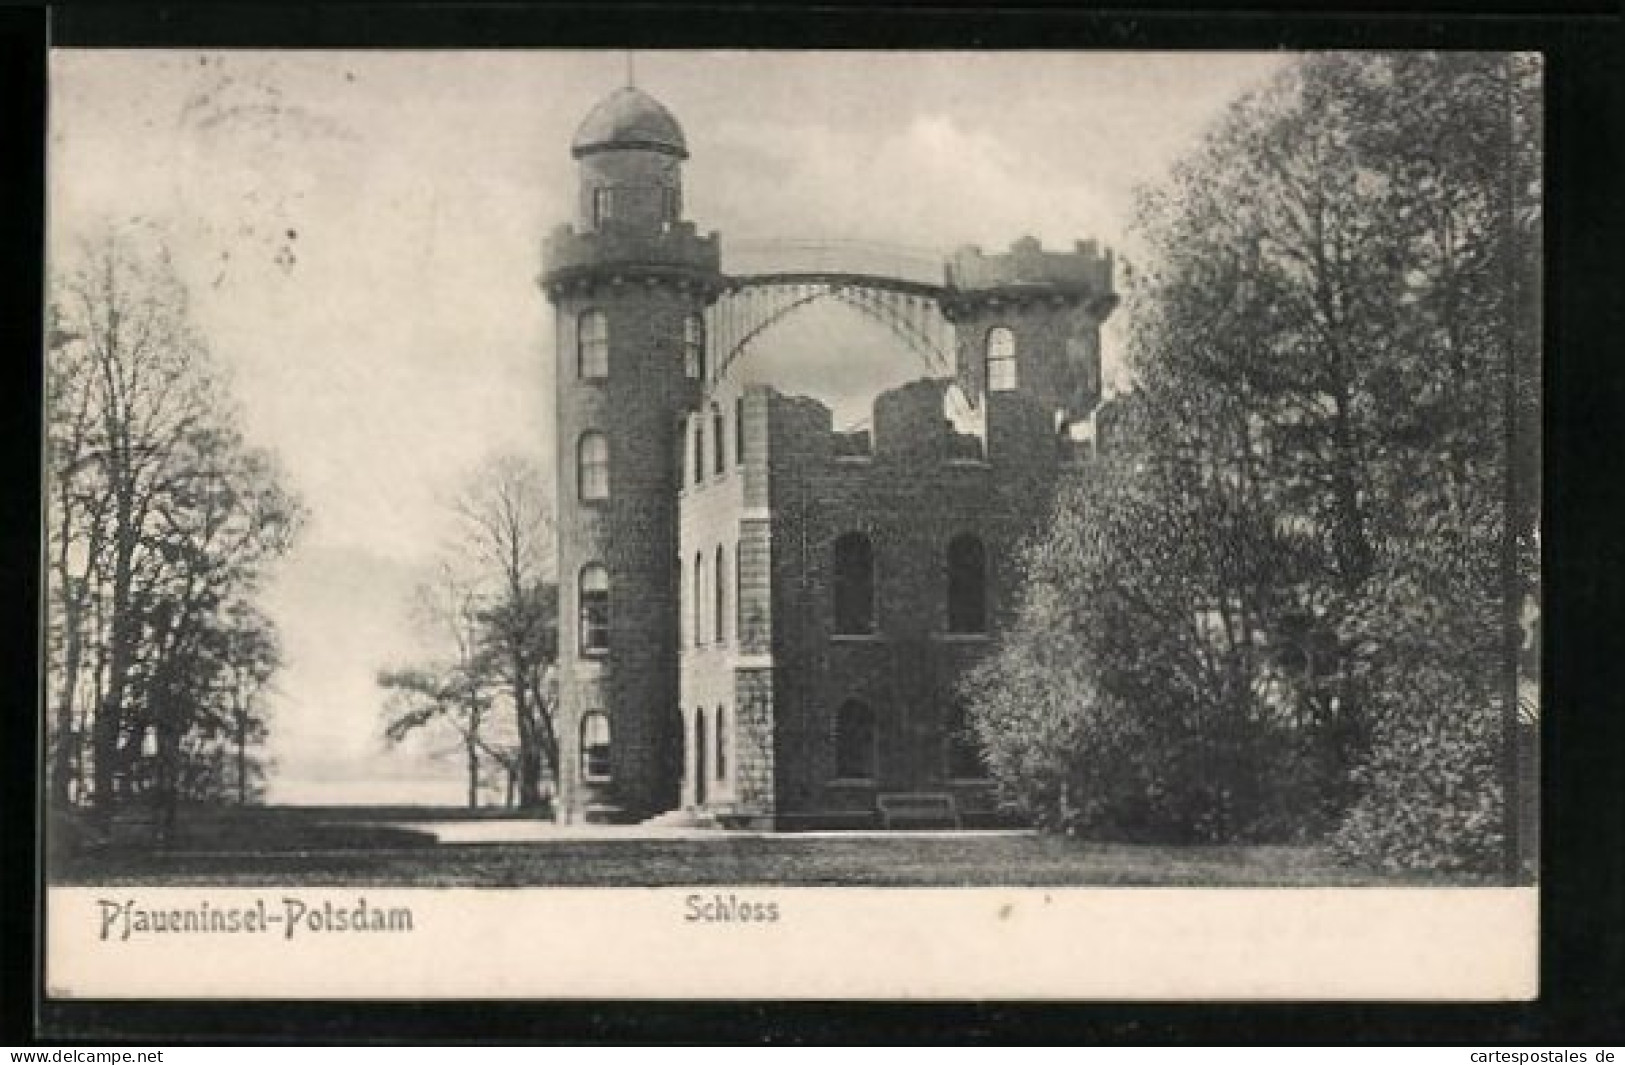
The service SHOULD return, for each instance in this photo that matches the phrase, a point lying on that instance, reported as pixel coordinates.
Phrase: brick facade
(725, 673)
(645, 274)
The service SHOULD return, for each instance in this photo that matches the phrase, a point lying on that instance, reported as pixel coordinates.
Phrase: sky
(360, 234)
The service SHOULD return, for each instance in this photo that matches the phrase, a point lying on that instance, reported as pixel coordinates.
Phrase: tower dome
(629, 118)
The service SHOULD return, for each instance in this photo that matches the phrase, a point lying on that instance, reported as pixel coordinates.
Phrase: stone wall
(730, 679)
(911, 498)
(633, 534)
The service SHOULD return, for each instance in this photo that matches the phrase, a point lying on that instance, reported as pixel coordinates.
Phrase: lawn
(349, 846)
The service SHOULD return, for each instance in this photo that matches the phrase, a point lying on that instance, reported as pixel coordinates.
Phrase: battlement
(1027, 265)
(910, 426)
(677, 248)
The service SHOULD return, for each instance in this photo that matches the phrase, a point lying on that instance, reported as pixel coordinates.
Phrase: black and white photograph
(510, 511)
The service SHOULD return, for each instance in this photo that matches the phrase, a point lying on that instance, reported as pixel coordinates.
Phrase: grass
(287, 846)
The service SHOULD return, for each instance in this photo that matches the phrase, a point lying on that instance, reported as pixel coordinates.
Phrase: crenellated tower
(1028, 325)
(629, 281)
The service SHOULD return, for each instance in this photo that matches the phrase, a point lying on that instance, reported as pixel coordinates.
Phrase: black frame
(1583, 887)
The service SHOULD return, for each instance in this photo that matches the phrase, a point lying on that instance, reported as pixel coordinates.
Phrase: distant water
(374, 791)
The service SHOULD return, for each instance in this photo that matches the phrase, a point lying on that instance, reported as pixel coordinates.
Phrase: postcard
(562, 524)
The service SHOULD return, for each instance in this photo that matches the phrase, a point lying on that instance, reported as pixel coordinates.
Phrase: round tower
(1028, 323)
(629, 281)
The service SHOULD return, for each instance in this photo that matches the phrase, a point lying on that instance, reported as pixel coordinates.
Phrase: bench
(919, 808)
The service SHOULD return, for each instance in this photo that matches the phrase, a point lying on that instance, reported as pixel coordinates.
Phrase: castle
(762, 619)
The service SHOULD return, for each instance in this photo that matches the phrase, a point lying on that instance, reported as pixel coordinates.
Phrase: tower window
(699, 600)
(694, 347)
(671, 203)
(699, 449)
(855, 746)
(967, 584)
(592, 466)
(964, 754)
(593, 592)
(739, 431)
(722, 743)
(603, 205)
(592, 345)
(719, 443)
(595, 760)
(854, 585)
(1001, 359)
(721, 606)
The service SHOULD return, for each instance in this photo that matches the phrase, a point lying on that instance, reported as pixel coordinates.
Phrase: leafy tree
(1309, 495)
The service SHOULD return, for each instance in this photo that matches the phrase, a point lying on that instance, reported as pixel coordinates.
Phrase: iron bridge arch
(899, 288)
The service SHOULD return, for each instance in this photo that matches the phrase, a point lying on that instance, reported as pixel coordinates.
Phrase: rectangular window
(603, 205)
(594, 595)
(739, 594)
(592, 345)
(694, 347)
(595, 756)
(720, 444)
(722, 743)
(592, 467)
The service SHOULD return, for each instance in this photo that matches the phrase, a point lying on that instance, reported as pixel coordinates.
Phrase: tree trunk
(530, 761)
(165, 793)
(62, 768)
(107, 727)
(242, 758)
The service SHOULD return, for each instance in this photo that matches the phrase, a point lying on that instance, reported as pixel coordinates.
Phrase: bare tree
(163, 522)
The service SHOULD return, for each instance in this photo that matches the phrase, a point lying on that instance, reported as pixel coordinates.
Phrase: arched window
(603, 205)
(699, 600)
(694, 347)
(593, 592)
(719, 443)
(720, 589)
(854, 585)
(595, 761)
(739, 431)
(1001, 359)
(963, 750)
(699, 449)
(855, 752)
(592, 466)
(967, 584)
(592, 345)
(722, 743)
